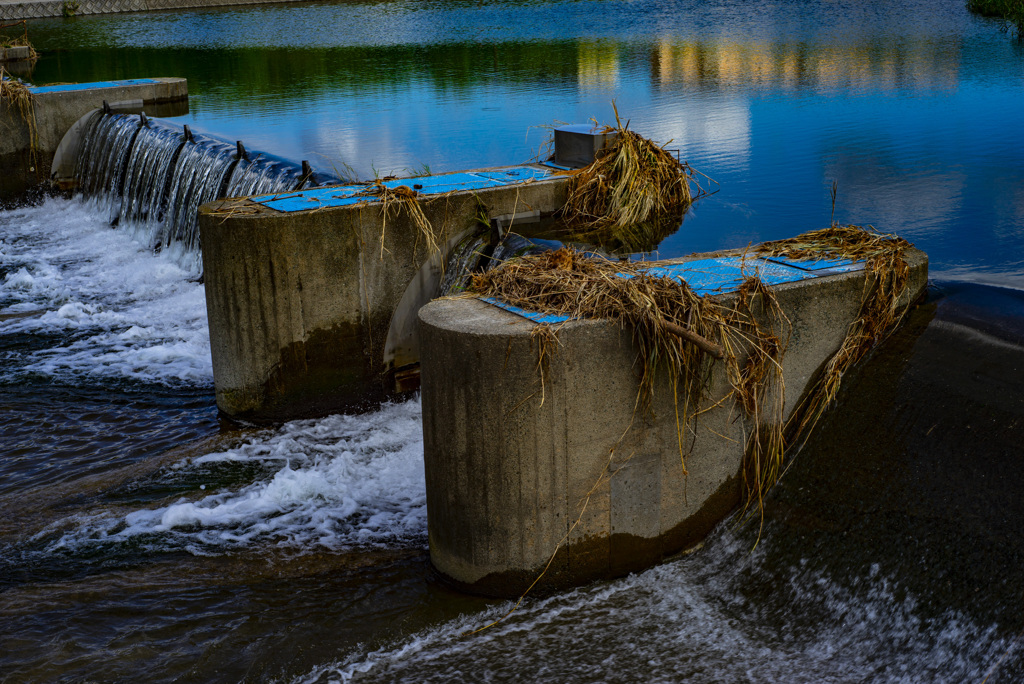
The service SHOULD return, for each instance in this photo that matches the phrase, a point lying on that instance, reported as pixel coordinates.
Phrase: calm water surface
(142, 536)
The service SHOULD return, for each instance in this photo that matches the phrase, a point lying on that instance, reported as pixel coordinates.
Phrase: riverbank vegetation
(1010, 11)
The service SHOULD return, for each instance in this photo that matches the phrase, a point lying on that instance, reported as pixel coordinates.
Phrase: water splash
(341, 482)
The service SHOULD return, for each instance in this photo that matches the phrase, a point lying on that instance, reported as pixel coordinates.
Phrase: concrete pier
(26, 159)
(508, 475)
(302, 289)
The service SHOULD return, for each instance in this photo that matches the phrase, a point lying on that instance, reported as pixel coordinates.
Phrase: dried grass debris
(631, 184)
(402, 198)
(883, 304)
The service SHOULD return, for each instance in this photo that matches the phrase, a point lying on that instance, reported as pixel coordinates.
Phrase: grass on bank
(1010, 11)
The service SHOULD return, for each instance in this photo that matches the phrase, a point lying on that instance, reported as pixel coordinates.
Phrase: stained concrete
(512, 463)
(38, 9)
(22, 167)
(300, 303)
(19, 53)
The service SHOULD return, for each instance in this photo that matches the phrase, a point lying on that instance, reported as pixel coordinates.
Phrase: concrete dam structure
(512, 478)
(319, 299)
(150, 175)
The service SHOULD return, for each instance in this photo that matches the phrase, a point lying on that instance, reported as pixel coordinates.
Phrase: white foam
(339, 482)
(692, 620)
(115, 309)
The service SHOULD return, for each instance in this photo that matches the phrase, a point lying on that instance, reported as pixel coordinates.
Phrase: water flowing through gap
(152, 176)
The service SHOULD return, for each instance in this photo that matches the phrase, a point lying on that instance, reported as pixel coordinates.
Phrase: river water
(144, 537)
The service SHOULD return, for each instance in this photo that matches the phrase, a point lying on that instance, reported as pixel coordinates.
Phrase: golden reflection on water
(923, 65)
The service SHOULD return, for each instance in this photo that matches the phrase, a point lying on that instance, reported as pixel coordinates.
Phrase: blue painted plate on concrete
(716, 275)
(725, 274)
(532, 315)
(343, 195)
(91, 86)
(819, 265)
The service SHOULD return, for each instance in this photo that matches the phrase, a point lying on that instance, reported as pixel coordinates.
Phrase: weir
(152, 175)
(541, 470)
(35, 127)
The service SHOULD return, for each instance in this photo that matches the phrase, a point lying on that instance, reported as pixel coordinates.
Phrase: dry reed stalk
(881, 308)
(403, 197)
(7, 41)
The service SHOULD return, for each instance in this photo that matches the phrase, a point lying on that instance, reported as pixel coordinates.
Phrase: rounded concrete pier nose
(520, 462)
(533, 442)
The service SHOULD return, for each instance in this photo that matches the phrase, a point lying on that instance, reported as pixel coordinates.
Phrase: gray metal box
(577, 145)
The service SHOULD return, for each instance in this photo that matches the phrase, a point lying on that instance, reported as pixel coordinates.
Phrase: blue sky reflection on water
(913, 109)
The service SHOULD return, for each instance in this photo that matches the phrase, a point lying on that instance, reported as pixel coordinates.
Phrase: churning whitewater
(695, 621)
(101, 307)
(338, 483)
(107, 307)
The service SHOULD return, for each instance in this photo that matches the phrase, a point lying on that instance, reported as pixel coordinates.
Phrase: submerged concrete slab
(26, 159)
(301, 297)
(508, 475)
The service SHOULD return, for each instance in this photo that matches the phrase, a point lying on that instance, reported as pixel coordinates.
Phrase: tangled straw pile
(676, 331)
(632, 182)
(6, 41)
(749, 331)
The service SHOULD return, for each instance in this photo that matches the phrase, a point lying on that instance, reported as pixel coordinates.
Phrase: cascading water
(152, 177)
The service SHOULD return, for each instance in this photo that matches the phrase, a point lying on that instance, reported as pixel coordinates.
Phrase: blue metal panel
(90, 86)
(449, 182)
(726, 274)
(532, 315)
(515, 174)
(772, 273)
(308, 199)
(427, 185)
